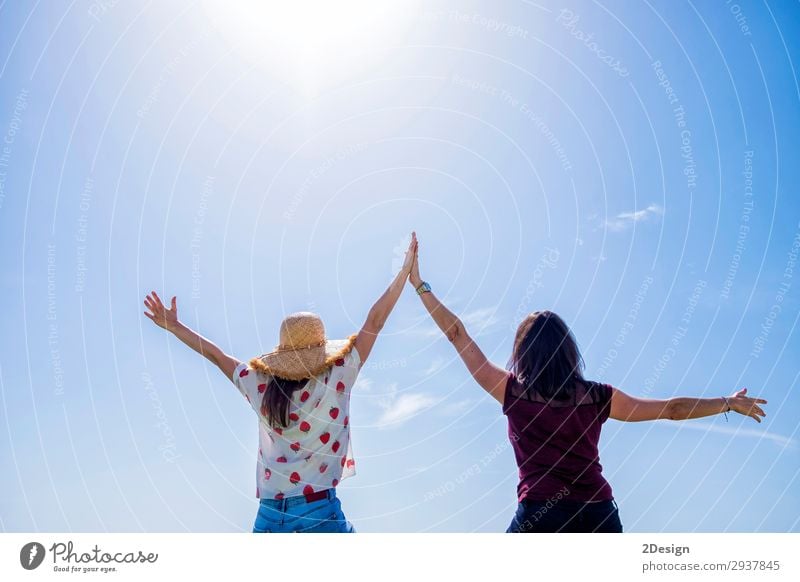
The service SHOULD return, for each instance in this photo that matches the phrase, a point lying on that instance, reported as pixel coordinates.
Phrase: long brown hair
(546, 357)
(277, 396)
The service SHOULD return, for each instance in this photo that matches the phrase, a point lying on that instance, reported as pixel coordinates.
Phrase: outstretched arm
(168, 319)
(631, 409)
(490, 377)
(379, 313)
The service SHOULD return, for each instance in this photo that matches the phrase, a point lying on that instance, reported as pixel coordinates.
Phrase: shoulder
(353, 358)
(250, 380)
(597, 392)
(600, 395)
(245, 372)
(512, 381)
(347, 363)
(512, 391)
(345, 368)
(241, 371)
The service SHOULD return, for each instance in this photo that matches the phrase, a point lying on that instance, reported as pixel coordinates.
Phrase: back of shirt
(313, 452)
(556, 441)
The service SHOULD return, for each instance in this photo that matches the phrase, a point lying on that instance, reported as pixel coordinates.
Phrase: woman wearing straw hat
(301, 394)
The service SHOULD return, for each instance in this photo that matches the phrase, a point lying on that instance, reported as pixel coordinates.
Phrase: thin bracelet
(728, 404)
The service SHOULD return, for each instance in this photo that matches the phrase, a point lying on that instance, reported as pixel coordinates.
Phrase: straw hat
(303, 352)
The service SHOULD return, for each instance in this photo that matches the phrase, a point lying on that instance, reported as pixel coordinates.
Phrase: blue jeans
(566, 517)
(294, 514)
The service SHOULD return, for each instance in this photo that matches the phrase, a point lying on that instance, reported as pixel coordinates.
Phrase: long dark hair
(546, 358)
(277, 396)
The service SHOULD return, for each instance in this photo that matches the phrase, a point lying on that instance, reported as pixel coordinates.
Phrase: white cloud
(458, 407)
(601, 258)
(399, 253)
(429, 331)
(397, 409)
(624, 220)
(483, 318)
(363, 383)
(436, 365)
(476, 321)
(778, 439)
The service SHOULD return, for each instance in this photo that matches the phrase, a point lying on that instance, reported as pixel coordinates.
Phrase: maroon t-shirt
(555, 442)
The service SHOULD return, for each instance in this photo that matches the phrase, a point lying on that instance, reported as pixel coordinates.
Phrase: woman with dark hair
(301, 394)
(555, 416)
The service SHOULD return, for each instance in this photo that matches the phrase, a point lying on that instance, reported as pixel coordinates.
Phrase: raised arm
(379, 313)
(168, 319)
(631, 409)
(490, 377)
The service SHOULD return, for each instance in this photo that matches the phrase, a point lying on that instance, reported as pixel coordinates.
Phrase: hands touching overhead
(489, 376)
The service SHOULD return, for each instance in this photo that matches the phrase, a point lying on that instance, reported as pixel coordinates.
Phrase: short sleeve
(353, 358)
(606, 392)
(250, 383)
(507, 392)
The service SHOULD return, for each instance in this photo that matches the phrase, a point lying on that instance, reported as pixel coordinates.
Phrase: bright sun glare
(312, 42)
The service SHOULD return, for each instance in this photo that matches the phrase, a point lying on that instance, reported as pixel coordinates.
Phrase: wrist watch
(424, 287)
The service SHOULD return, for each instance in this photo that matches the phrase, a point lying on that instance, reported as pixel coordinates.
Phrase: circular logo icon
(31, 555)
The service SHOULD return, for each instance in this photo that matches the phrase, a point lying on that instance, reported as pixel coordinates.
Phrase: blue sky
(631, 169)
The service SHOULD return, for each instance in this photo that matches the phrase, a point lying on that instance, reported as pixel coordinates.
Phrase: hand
(410, 254)
(158, 314)
(413, 276)
(747, 406)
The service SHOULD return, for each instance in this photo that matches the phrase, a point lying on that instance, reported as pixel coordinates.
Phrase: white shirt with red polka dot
(314, 452)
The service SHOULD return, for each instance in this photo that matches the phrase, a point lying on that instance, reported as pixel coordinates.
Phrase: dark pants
(566, 517)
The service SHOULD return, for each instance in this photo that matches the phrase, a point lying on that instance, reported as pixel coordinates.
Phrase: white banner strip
(375, 557)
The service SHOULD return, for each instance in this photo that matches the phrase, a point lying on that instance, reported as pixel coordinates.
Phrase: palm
(160, 315)
(747, 406)
(409, 261)
(413, 276)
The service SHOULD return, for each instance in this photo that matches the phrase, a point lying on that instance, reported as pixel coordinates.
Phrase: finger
(158, 299)
(175, 303)
(751, 413)
(760, 401)
(751, 405)
(148, 316)
(757, 410)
